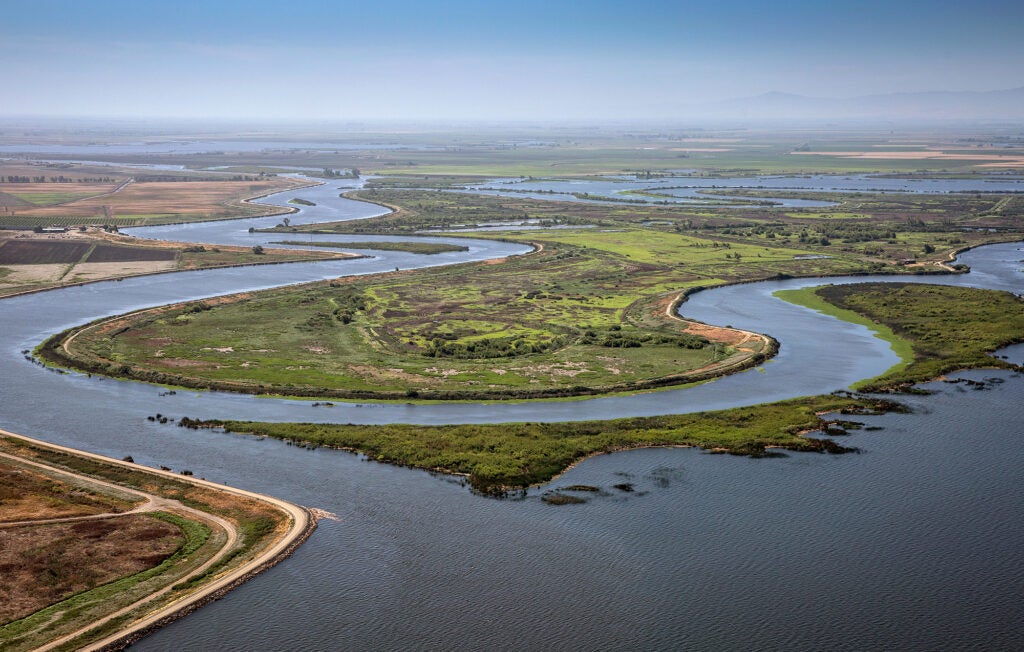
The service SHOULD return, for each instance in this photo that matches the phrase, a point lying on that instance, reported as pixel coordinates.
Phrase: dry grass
(48, 188)
(29, 495)
(162, 197)
(43, 564)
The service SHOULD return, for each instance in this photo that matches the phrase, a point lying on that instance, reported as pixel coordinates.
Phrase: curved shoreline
(56, 350)
(226, 266)
(667, 382)
(702, 374)
(302, 523)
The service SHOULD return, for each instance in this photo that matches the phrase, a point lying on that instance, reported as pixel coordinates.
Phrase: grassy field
(944, 328)
(583, 315)
(51, 198)
(864, 227)
(497, 457)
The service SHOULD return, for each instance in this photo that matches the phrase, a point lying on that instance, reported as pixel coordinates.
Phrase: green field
(51, 198)
(944, 329)
(589, 311)
(583, 315)
(559, 322)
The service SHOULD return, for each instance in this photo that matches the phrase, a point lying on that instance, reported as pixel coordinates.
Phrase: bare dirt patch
(97, 271)
(716, 333)
(375, 373)
(32, 274)
(183, 363)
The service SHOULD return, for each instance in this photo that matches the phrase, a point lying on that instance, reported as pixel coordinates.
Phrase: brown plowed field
(113, 254)
(64, 252)
(41, 252)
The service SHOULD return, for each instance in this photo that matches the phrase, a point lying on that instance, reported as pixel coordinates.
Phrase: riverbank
(245, 543)
(731, 352)
(946, 328)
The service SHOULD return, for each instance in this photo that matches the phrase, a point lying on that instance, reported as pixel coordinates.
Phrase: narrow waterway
(914, 544)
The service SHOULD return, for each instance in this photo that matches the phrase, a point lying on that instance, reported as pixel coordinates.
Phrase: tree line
(13, 178)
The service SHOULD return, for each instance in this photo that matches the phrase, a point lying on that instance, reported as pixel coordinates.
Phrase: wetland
(663, 522)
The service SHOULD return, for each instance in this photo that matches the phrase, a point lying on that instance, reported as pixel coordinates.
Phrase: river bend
(917, 543)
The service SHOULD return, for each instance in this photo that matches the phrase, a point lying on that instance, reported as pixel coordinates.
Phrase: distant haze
(530, 60)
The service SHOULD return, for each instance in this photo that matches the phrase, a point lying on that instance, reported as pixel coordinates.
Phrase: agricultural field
(29, 263)
(43, 252)
(136, 203)
(581, 152)
(49, 194)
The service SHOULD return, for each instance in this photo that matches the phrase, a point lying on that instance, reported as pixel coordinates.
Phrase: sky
(487, 61)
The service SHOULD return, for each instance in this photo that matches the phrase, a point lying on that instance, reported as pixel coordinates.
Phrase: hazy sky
(485, 60)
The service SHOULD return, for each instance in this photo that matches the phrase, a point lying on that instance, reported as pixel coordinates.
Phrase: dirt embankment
(299, 521)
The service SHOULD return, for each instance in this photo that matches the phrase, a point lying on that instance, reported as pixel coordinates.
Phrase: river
(917, 543)
(696, 189)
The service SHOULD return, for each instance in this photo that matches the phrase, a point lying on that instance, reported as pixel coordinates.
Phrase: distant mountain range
(935, 105)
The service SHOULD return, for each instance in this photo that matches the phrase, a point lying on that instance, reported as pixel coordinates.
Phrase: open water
(916, 543)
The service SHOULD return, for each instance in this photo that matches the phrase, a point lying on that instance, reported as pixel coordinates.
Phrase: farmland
(29, 263)
(576, 152)
(55, 194)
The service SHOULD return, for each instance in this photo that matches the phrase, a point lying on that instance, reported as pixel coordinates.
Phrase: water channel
(917, 543)
(691, 189)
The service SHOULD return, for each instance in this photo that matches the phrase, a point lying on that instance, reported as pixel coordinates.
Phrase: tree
(258, 250)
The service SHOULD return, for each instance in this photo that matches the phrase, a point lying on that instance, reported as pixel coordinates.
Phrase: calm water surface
(914, 544)
(691, 189)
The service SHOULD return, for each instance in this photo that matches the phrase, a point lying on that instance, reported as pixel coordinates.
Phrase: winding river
(917, 543)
